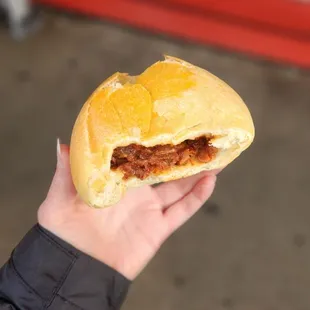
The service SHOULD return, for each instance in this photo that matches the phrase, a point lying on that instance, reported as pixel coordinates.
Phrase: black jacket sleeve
(44, 272)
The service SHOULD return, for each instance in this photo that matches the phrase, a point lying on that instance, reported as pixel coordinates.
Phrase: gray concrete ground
(249, 247)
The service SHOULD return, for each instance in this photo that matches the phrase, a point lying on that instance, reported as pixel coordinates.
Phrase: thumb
(62, 187)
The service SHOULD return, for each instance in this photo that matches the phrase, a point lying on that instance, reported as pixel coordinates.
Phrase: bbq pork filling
(139, 161)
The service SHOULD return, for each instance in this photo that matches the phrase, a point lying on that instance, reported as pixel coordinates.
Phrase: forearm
(45, 272)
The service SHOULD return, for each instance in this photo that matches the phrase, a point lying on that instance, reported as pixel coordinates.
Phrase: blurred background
(249, 247)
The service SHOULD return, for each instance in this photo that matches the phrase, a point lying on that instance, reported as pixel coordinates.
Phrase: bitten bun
(170, 102)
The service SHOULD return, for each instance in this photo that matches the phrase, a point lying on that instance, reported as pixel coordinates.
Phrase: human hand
(127, 235)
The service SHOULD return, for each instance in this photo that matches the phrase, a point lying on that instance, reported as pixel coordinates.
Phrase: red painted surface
(274, 29)
(289, 14)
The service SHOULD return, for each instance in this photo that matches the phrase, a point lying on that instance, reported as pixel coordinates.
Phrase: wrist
(107, 254)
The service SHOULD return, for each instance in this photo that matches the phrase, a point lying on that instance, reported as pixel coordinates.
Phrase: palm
(141, 227)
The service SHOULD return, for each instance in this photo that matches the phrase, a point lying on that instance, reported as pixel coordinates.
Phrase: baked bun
(125, 130)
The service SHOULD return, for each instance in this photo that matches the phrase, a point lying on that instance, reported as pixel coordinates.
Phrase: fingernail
(58, 152)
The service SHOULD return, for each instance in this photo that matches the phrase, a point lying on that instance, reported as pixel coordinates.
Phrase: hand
(127, 235)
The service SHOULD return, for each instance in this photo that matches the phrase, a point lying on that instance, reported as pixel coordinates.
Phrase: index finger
(171, 192)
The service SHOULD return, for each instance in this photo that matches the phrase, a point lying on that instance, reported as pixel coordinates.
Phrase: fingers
(62, 187)
(171, 192)
(178, 213)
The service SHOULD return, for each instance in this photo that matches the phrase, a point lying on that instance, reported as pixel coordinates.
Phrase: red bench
(274, 29)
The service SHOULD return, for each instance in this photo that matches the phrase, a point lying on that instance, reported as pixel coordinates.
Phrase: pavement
(249, 246)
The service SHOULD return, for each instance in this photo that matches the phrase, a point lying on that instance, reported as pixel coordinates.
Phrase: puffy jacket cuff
(62, 275)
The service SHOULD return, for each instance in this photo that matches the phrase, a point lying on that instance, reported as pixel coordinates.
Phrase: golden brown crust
(170, 102)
